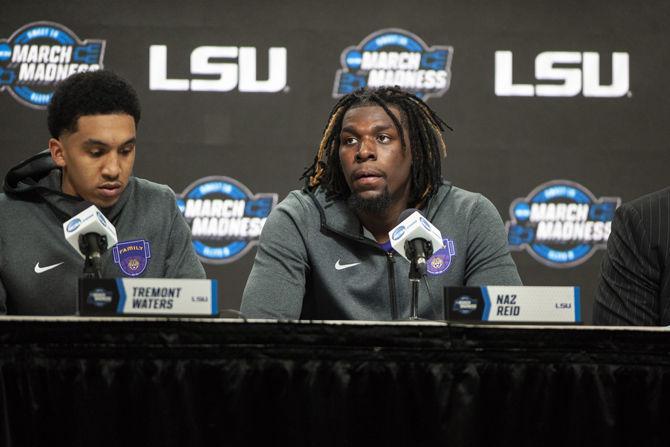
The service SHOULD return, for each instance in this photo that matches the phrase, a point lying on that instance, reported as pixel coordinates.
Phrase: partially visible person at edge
(634, 284)
(92, 118)
(324, 252)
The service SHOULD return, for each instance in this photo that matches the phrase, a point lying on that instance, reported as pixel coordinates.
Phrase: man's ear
(56, 149)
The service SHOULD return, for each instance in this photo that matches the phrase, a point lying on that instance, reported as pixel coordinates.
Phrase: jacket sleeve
(488, 259)
(277, 283)
(628, 291)
(181, 261)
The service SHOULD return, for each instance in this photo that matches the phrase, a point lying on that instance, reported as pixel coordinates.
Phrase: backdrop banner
(557, 111)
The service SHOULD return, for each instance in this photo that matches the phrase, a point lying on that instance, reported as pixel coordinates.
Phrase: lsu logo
(583, 77)
(395, 57)
(132, 257)
(39, 55)
(440, 261)
(226, 219)
(239, 70)
(561, 223)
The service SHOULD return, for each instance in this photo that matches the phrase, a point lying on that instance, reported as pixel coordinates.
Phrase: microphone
(90, 234)
(415, 238)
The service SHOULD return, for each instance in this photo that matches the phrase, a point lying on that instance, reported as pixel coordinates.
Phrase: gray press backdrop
(558, 108)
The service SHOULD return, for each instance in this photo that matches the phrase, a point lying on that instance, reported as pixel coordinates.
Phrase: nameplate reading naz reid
(148, 296)
(513, 304)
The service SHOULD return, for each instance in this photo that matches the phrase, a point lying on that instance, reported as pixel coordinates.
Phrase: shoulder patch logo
(441, 259)
(132, 256)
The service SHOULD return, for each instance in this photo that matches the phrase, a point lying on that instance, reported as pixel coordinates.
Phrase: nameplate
(513, 304)
(148, 296)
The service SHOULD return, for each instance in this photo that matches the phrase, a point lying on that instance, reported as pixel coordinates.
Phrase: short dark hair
(98, 92)
(425, 138)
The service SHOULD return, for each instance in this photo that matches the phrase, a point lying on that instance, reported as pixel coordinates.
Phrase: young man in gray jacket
(92, 119)
(324, 252)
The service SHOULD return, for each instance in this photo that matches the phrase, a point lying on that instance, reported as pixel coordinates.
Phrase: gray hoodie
(39, 269)
(316, 261)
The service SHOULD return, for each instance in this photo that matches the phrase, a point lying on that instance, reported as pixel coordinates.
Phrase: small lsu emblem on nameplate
(132, 256)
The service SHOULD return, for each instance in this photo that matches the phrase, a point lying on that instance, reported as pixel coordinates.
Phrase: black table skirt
(193, 382)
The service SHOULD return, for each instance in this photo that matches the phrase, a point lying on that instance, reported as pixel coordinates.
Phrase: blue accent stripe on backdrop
(215, 297)
(487, 303)
(122, 296)
(578, 305)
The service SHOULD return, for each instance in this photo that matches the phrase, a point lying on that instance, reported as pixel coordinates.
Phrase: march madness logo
(561, 223)
(39, 55)
(226, 219)
(392, 57)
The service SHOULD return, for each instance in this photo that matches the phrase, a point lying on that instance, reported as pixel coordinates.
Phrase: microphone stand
(415, 279)
(417, 250)
(93, 246)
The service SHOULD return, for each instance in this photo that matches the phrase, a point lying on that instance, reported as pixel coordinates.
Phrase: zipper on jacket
(392, 297)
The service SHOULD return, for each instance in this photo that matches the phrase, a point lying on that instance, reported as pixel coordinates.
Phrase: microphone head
(91, 220)
(414, 226)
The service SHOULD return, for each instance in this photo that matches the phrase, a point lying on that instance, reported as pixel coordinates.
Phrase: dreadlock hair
(425, 138)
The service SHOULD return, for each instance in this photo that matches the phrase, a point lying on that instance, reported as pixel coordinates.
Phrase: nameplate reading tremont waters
(513, 304)
(148, 296)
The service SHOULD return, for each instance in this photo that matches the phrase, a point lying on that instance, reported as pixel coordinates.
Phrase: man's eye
(127, 150)
(384, 138)
(96, 153)
(348, 141)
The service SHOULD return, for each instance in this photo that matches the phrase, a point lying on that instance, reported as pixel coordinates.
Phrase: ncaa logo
(464, 305)
(73, 225)
(398, 233)
(561, 223)
(226, 219)
(99, 297)
(395, 57)
(39, 55)
(425, 224)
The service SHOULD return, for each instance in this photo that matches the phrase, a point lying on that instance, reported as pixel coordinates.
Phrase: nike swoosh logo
(39, 269)
(339, 266)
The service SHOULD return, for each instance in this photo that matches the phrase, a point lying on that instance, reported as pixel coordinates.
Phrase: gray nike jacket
(39, 270)
(315, 261)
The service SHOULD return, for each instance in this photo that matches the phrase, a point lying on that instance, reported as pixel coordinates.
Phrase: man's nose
(367, 150)
(112, 165)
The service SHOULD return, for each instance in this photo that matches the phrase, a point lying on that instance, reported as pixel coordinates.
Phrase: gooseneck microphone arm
(417, 250)
(93, 246)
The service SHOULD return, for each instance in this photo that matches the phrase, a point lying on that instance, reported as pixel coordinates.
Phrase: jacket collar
(336, 215)
(38, 178)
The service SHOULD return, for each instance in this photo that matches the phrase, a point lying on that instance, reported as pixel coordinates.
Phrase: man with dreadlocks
(325, 253)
